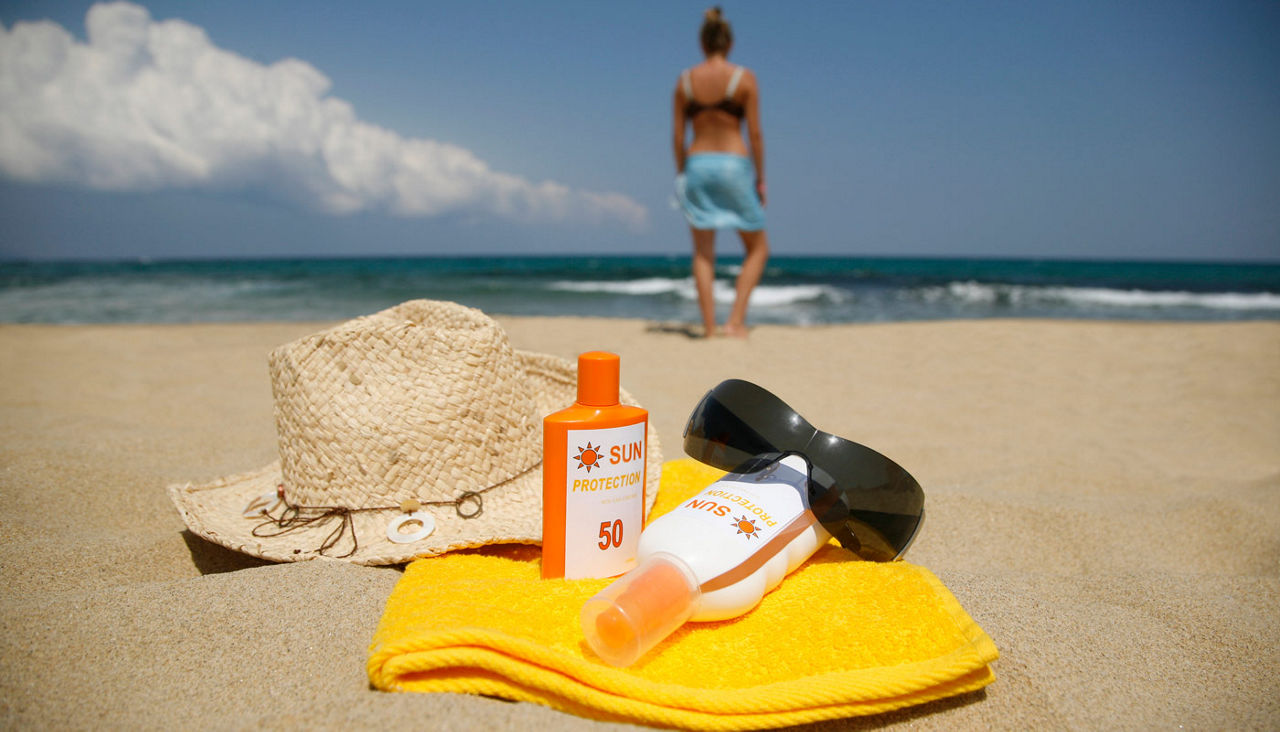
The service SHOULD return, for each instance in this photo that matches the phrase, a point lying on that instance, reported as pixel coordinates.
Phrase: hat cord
(295, 517)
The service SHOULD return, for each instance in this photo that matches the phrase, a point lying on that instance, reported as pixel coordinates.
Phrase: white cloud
(146, 105)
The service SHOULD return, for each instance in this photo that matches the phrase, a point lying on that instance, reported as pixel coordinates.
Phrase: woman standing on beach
(719, 187)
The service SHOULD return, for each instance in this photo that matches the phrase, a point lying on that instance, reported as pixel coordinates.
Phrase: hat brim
(512, 512)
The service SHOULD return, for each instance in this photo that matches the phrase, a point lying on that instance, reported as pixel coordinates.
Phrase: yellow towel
(837, 638)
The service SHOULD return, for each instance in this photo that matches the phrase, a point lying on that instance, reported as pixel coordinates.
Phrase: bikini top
(693, 107)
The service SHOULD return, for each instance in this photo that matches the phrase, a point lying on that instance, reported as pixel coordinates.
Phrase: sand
(1104, 499)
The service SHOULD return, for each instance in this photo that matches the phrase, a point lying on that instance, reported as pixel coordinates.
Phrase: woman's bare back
(715, 129)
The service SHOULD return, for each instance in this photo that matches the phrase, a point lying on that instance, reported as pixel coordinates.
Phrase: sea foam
(987, 293)
(763, 296)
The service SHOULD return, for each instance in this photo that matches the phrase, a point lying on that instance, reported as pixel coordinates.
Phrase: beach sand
(1103, 498)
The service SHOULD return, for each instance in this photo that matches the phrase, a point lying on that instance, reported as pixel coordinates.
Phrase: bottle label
(604, 500)
(751, 508)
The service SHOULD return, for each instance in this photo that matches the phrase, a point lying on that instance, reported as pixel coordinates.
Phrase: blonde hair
(716, 34)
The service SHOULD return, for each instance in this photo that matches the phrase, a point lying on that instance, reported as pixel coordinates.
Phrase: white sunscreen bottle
(712, 557)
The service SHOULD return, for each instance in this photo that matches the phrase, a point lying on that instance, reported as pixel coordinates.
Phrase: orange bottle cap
(598, 378)
(640, 609)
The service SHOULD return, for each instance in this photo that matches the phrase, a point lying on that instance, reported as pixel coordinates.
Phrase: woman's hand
(760, 190)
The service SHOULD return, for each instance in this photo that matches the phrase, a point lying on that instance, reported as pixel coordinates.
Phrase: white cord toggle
(422, 517)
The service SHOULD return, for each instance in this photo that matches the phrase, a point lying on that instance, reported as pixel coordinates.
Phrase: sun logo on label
(589, 457)
(746, 526)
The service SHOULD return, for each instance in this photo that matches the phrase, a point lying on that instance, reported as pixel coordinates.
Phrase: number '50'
(610, 534)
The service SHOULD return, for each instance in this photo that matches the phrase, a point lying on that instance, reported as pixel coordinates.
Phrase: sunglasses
(864, 499)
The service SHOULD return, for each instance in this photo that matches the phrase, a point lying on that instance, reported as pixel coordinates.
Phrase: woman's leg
(704, 276)
(756, 244)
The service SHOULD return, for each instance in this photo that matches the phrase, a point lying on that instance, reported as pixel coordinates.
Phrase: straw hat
(405, 433)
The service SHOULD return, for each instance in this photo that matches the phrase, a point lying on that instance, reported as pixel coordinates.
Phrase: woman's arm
(677, 107)
(755, 138)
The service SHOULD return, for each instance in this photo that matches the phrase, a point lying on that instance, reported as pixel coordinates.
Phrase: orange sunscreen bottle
(593, 477)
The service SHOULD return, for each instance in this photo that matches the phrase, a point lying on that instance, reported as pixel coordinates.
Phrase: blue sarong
(718, 191)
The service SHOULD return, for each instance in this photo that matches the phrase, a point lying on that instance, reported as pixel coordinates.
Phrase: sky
(1114, 130)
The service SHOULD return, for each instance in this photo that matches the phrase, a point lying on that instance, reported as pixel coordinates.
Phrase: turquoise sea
(798, 290)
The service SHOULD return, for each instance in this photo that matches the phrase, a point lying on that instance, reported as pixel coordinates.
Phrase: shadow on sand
(685, 329)
(212, 558)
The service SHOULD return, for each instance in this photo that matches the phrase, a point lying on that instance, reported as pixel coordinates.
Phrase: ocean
(795, 290)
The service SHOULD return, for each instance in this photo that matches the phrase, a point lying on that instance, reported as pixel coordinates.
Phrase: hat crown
(425, 400)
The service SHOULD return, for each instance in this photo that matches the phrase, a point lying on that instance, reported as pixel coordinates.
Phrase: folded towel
(838, 638)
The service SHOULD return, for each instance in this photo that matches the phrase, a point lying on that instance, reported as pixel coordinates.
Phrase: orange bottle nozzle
(598, 378)
(640, 609)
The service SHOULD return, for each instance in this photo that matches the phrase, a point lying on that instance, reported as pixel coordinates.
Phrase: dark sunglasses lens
(877, 506)
(717, 436)
(738, 420)
(764, 465)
